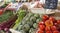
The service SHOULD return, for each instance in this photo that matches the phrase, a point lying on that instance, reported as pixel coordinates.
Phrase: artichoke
(35, 25)
(26, 27)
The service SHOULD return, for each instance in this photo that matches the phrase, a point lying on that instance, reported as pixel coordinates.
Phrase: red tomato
(40, 31)
(53, 28)
(48, 31)
(1, 12)
(58, 21)
(52, 19)
(41, 23)
(55, 24)
(58, 27)
(42, 27)
(56, 31)
(45, 17)
(47, 28)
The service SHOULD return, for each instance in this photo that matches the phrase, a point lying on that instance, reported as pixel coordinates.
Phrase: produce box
(7, 19)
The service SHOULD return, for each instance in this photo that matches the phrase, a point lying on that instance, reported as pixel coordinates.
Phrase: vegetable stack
(21, 14)
(49, 25)
(29, 23)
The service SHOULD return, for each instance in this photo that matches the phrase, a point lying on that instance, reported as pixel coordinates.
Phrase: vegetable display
(29, 23)
(21, 14)
(49, 25)
(25, 21)
(5, 16)
(7, 24)
(7, 19)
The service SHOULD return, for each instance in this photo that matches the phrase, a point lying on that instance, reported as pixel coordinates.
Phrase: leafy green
(21, 14)
(5, 16)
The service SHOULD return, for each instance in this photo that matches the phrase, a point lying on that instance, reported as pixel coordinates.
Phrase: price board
(51, 4)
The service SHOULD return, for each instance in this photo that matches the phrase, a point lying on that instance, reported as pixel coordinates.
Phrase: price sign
(51, 4)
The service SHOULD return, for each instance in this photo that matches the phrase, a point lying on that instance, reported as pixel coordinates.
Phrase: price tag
(51, 4)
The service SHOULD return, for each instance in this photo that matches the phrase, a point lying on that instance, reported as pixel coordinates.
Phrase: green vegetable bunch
(21, 14)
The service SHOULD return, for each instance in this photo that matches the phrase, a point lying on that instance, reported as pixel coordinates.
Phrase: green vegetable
(22, 31)
(20, 27)
(5, 16)
(35, 25)
(30, 14)
(26, 18)
(39, 19)
(33, 19)
(21, 14)
(30, 23)
(26, 27)
(36, 15)
(31, 30)
(23, 22)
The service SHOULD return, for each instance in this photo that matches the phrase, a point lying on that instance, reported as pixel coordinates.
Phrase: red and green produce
(6, 25)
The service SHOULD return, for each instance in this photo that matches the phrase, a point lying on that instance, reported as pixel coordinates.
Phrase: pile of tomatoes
(48, 25)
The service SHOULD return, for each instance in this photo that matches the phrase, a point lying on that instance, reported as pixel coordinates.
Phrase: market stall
(39, 16)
